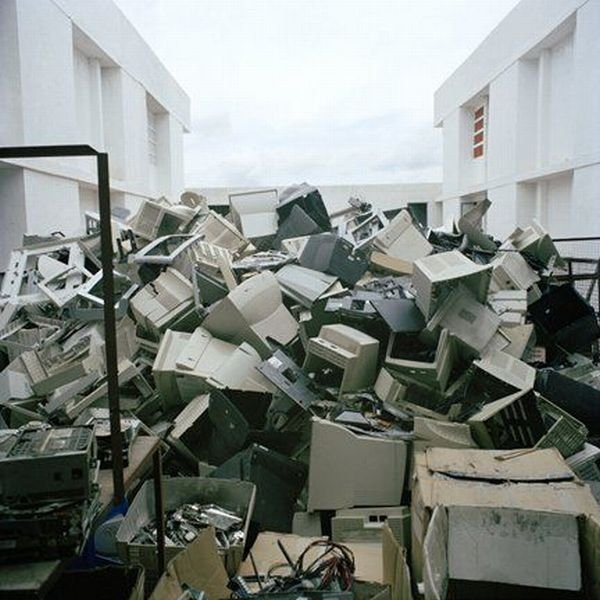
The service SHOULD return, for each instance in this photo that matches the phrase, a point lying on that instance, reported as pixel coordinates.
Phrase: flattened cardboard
(266, 552)
(396, 572)
(199, 567)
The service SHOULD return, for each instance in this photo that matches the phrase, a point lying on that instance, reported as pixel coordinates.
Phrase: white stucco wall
(12, 211)
(77, 72)
(540, 72)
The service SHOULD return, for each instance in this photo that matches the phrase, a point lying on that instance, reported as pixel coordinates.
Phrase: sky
(324, 91)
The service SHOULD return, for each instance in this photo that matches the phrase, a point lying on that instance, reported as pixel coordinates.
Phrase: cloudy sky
(326, 91)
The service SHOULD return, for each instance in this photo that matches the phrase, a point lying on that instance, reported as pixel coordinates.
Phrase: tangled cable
(336, 563)
(334, 567)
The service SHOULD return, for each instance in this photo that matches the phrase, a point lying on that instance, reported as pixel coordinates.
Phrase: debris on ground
(359, 409)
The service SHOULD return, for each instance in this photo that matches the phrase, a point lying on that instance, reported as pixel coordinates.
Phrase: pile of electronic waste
(418, 409)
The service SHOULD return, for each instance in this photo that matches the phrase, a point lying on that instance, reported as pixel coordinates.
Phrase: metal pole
(112, 373)
(159, 511)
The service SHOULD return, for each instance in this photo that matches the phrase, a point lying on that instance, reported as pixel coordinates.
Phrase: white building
(77, 72)
(521, 121)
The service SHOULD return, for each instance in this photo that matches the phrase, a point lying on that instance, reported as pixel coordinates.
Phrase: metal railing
(582, 255)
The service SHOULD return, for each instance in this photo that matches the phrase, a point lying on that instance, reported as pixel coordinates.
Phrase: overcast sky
(325, 91)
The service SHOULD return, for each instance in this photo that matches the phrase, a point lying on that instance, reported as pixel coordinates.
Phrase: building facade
(78, 72)
(521, 122)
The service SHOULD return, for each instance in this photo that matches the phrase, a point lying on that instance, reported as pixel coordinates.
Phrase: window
(479, 117)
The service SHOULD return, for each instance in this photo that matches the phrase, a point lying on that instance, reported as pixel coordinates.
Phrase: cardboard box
(396, 572)
(237, 496)
(199, 567)
(524, 482)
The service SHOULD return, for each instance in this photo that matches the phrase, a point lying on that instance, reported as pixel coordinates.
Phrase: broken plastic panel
(535, 244)
(434, 374)
(566, 318)
(471, 224)
(361, 229)
(48, 372)
(401, 239)
(294, 246)
(207, 289)
(22, 276)
(511, 422)
(190, 364)
(162, 301)
(436, 276)
(512, 272)
(191, 430)
(306, 285)
(154, 219)
(60, 282)
(253, 313)
(328, 253)
(400, 314)
(289, 378)
(219, 231)
(348, 470)
(466, 318)
(165, 249)
(89, 304)
(441, 434)
(355, 306)
(262, 261)
(520, 340)
(254, 213)
(307, 198)
(297, 223)
(348, 349)
(126, 372)
(389, 264)
(510, 306)
(278, 479)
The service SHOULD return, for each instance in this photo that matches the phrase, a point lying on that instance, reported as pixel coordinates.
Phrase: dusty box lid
(534, 479)
(500, 465)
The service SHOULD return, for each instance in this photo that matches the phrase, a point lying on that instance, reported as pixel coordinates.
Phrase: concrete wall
(384, 196)
(78, 73)
(12, 211)
(539, 72)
